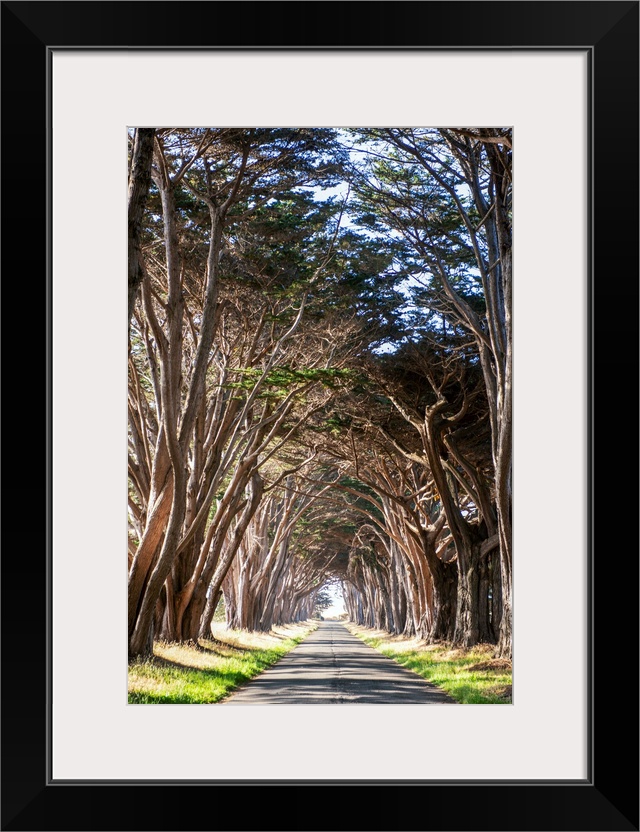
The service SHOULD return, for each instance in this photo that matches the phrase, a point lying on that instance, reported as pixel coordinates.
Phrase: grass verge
(471, 677)
(189, 674)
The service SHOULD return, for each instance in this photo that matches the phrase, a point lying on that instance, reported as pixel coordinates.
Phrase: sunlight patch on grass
(472, 677)
(246, 640)
(206, 672)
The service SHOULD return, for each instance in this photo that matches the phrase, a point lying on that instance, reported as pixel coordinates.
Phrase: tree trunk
(255, 494)
(139, 182)
(467, 631)
(505, 639)
(445, 593)
(496, 594)
(485, 632)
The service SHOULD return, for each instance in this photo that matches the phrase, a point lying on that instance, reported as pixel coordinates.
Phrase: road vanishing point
(333, 667)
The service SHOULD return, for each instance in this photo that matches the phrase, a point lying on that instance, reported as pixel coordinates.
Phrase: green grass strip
(168, 680)
(471, 677)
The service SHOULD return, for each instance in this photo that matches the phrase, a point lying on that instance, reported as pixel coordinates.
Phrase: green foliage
(368, 501)
(323, 599)
(469, 676)
(174, 685)
(158, 681)
(412, 192)
(280, 380)
(334, 424)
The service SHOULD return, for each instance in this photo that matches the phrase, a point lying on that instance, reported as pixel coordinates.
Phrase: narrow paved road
(333, 667)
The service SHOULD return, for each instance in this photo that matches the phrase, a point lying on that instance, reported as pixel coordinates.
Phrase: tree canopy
(320, 379)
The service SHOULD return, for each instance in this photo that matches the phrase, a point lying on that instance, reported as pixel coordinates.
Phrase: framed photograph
(564, 77)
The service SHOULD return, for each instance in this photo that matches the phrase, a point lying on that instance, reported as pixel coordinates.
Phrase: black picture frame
(608, 798)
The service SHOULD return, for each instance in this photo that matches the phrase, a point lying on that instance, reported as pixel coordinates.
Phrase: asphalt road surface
(332, 667)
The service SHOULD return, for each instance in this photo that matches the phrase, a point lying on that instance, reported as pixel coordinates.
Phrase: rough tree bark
(139, 183)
